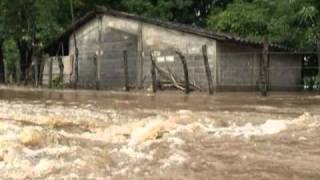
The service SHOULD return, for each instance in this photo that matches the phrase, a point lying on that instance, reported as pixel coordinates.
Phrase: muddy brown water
(232, 101)
(293, 154)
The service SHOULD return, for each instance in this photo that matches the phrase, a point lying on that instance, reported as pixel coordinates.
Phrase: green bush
(57, 83)
(317, 82)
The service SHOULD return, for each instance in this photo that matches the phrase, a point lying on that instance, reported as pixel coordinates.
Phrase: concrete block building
(105, 34)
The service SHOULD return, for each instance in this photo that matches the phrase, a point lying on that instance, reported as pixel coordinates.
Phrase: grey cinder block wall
(140, 40)
(239, 68)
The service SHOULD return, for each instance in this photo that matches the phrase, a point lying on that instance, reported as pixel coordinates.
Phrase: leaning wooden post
(207, 68)
(186, 72)
(153, 73)
(126, 71)
(96, 70)
(50, 73)
(265, 69)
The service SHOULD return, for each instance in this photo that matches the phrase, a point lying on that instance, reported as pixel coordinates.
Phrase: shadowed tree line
(27, 25)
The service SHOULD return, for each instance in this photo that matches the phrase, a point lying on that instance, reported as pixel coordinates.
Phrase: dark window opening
(310, 72)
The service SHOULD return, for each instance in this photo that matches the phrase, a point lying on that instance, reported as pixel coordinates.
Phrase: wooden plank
(126, 71)
(207, 69)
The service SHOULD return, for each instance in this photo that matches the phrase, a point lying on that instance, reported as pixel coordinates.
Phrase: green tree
(193, 12)
(293, 23)
(2, 39)
(31, 24)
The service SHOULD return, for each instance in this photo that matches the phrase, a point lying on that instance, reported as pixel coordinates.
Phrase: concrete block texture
(240, 66)
(110, 51)
(121, 34)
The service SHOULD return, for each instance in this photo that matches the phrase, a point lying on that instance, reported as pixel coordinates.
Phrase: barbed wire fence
(242, 71)
(233, 71)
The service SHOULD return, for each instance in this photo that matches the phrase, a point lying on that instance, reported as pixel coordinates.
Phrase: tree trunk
(2, 72)
(318, 53)
(126, 70)
(25, 52)
(36, 71)
(18, 72)
(41, 69)
(50, 73)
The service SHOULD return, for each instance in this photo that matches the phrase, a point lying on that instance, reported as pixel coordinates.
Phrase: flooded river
(110, 135)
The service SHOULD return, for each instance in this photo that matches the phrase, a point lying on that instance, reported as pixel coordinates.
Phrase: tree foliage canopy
(293, 23)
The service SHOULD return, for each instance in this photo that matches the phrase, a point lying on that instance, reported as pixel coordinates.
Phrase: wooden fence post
(76, 69)
(207, 68)
(265, 69)
(186, 72)
(50, 73)
(71, 75)
(126, 71)
(61, 68)
(36, 71)
(41, 69)
(96, 70)
(153, 74)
